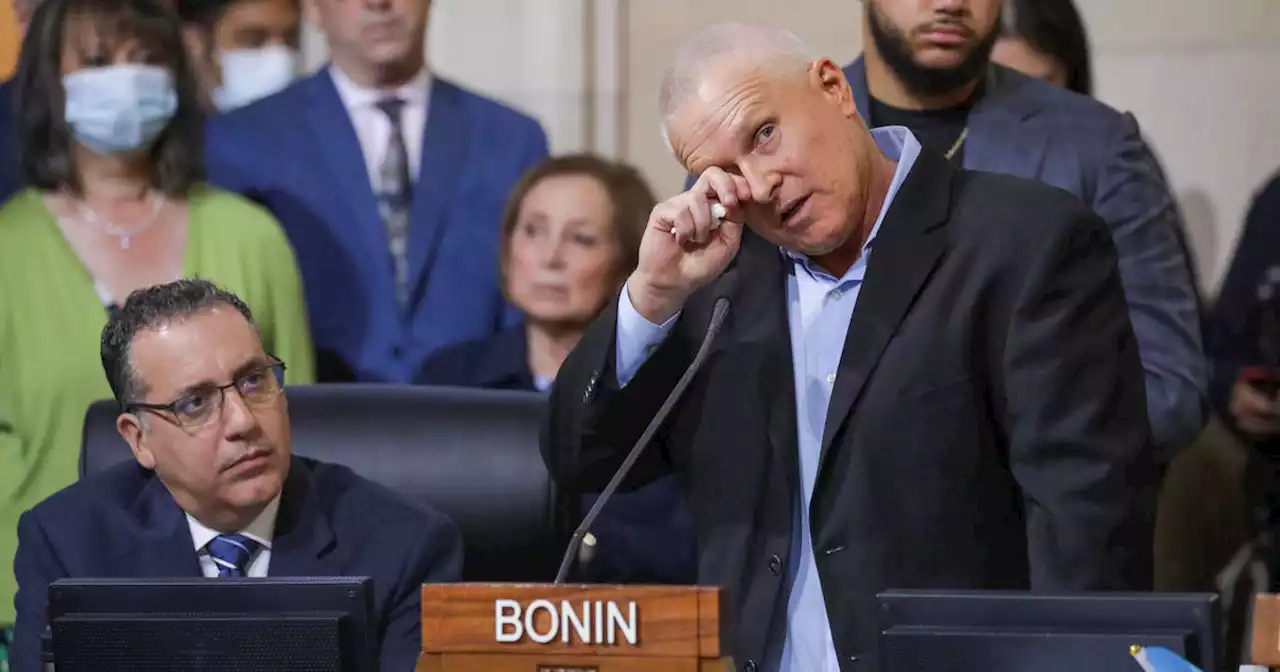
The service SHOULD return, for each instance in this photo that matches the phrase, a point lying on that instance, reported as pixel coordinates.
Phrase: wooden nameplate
(577, 628)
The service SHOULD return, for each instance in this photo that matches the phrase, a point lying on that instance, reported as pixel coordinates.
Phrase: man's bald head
(747, 46)
(754, 102)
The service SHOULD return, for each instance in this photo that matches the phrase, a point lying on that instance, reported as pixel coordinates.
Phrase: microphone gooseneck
(718, 313)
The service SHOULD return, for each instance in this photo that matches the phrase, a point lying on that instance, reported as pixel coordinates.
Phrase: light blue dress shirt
(819, 307)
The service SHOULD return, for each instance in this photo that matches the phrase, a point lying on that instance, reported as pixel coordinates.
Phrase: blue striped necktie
(232, 553)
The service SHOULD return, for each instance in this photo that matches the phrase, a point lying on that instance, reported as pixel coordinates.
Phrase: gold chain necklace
(959, 141)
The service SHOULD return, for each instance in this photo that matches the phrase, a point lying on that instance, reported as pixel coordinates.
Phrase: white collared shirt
(261, 530)
(373, 129)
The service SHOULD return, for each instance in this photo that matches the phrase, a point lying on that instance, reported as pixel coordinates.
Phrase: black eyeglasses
(257, 386)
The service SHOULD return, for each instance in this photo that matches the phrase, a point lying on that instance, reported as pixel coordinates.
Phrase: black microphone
(718, 313)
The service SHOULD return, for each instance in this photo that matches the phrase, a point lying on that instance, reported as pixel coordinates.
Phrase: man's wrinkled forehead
(717, 116)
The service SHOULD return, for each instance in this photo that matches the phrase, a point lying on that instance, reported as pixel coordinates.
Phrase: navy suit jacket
(1033, 129)
(123, 523)
(643, 536)
(297, 153)
(10, 166)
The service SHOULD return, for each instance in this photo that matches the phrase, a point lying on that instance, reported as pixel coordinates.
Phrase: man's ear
(830, 79)
(134, 431)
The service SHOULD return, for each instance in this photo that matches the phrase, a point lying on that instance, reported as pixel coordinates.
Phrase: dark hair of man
(44, 137)
(152, 308)
(203, 16)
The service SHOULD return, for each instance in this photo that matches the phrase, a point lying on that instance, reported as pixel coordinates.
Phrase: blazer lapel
(163, 546)
(762, 324)
(335, 138)
(303, 534)
(444, 143)
(1000, 140)
(908, 248)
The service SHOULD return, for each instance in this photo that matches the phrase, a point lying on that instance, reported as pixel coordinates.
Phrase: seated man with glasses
(215, 490)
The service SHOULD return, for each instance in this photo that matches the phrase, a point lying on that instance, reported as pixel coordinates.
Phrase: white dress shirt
(373, 129)
(261, 530)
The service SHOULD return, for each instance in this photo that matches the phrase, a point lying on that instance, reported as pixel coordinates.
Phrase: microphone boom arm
(718, 313)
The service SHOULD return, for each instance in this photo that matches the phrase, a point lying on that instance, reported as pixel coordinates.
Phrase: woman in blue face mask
(110, 135)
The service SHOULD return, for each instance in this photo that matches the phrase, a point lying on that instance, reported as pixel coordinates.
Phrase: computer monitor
(1005, 631)
(229, 625)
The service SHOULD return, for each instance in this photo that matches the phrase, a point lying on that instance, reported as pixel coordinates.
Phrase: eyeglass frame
(275, 366)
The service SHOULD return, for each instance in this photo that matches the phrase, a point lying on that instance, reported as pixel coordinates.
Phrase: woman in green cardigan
(110, 130)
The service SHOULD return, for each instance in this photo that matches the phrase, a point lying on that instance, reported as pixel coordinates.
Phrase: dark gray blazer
(1037, 130)
(985, 431)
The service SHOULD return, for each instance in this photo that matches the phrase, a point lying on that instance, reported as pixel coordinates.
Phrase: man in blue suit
(390, 183)
(215, 490)
(927, 66)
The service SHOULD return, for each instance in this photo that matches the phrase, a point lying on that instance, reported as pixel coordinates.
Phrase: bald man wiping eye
(912, 387)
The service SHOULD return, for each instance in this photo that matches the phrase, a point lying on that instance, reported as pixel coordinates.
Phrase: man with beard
(390, 183)
(926, 66)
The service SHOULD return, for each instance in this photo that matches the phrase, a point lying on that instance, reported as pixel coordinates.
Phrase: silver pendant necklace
(123, 233)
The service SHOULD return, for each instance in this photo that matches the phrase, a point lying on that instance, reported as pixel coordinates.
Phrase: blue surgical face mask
(250, 74)
(119, 109)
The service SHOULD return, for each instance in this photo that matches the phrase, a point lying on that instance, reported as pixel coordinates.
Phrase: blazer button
(775, 565)
(749, 666)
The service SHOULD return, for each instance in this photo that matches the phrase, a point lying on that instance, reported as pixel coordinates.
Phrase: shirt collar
(899, 144)
(414, 92)
(261, 530)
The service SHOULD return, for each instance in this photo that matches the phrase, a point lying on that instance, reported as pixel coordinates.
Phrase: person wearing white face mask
(244, 49)
(111, 140)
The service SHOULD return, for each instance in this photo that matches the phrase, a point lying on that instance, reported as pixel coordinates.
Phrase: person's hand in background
(1254, 412)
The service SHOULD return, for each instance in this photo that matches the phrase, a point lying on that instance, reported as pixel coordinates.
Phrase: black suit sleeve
(35, 566)
(1075, 410)
(592, 423)
(435, 558)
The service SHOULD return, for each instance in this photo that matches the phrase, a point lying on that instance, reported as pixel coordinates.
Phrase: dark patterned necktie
(232, 553)
(394, 196)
